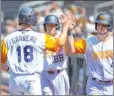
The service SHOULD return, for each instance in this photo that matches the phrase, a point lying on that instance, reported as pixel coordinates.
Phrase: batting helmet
(104, 18)
(52, 19)
(27, 16)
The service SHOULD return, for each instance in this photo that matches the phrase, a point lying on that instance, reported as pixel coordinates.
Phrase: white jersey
(55, 60)
(25, 51)
(99, 59)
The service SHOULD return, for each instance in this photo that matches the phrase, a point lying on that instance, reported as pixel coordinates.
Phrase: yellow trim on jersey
(103, 54)
(4, 52)
(52, 43)
(80, 46)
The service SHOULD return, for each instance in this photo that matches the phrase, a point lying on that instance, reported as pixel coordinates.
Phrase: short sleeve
(4, 52)
(80, 46)
(51, 43)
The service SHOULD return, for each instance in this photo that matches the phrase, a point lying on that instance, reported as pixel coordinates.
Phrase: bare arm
(66, 22)
(69, 45)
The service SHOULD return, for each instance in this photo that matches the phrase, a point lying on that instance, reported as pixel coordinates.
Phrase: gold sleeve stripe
(51, 43)
(80, 46)
(4, 52)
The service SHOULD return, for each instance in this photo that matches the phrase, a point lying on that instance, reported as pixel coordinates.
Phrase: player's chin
(102, 33)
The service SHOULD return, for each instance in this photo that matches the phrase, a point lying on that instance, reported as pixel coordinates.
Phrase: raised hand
(72, 23)
(69, 20)
(63, 19)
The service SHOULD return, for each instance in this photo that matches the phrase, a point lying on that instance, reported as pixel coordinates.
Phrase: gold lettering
(102, 55)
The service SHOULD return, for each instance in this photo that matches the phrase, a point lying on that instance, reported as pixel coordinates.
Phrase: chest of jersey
(55, 57)
(102, 50)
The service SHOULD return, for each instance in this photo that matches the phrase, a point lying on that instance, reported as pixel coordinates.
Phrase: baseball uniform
(54, 78)
(23, 51)
(99, 65)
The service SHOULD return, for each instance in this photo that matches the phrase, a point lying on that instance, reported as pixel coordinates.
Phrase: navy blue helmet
(52, 19)
(104, 18)
(27, 16)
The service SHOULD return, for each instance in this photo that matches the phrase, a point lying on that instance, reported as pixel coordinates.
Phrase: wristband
(69, 33)
(77, 35)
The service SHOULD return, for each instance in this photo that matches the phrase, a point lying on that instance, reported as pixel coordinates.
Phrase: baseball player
(54, 78)
(23, 51)
(98, 52)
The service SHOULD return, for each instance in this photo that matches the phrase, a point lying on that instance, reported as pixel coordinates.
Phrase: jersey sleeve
(51, 43)
(80, 46)
(4, 52)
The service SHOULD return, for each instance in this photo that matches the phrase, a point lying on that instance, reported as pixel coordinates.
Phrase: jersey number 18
(28, 53)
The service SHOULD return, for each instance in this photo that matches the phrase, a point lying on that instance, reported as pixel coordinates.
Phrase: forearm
(63, 35)
(70, 44)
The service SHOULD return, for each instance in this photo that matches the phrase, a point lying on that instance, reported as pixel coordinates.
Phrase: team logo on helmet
(101, 17)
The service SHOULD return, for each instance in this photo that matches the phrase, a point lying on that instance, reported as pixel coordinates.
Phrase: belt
(54, 71)
(101, 80)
